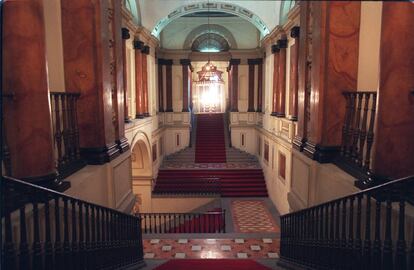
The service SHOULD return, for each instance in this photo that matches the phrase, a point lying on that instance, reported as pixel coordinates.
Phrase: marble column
(260, 86)
(145, 53)
(168, 85)
(281, 82)
(304, 64)
(393, 136)
(275, 51)
(92, 61)
(160, 86)
(335, 47)
(27, 115)
(139, 84)
(251, 86)
(293, 75)
(117, 75)
(185, 63)
(230, 90)
(125, 37)
(235, 84)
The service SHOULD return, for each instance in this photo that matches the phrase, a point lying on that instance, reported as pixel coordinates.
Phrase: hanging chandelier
(209, 72)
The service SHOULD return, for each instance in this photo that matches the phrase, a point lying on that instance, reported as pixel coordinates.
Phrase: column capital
(275, 48)
(146, 50)
(167, 62)
(138, 45)
(125, 33)
(185, 62)
(256, 61)
(282, 43)
(234, 62)
(295, 32)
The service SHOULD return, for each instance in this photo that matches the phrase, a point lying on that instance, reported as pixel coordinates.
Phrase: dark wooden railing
(192, 186)
(66, 132)
(370, 229)
(358, 131)
(44, 229)
(208, 222)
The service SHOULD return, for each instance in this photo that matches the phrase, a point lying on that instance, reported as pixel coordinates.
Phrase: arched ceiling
(181, 33)
(157, 14)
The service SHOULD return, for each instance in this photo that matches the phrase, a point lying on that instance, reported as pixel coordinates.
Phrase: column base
(250, 110)
(100, 155)
(160, 110)
(146, 114)
(280, 115)
(50, 181)
(259, 110)
(127, 120)
(273, 114)
(234, 110)
(139, 116)
(123, 144)
(169, 110)
(293, 118)
(299, 143)
(186, 110)
(320, 153)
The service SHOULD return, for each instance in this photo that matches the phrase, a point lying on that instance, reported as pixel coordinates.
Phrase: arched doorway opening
(141, 166)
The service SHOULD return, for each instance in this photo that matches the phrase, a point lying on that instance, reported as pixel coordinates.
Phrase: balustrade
(36, 220)
(358, 133)
(66, 132)
(344, 234)
(208, 222)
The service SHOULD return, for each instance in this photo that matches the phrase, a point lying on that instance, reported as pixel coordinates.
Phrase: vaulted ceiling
(238, 24)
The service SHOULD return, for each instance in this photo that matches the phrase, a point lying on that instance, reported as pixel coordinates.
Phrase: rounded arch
(141, 156)
(133, 7)
(285, 7)
(216, 7)
(214, 29)
(210, 42)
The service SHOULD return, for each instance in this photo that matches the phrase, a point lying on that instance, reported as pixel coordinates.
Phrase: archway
(141, 166)
(213, 7)
(212, 28)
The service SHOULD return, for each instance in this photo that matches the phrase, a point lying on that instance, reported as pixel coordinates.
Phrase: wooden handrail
(329, 235)
(84, 235)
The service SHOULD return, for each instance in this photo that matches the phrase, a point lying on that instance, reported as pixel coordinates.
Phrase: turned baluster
(411, 266)
(387, 252)
(76, 128)
(349, 148)
(87, 237)
(48, 238)
(81, 243)
(401, 255)
(366, 255)
(337, 235)
(58, 131)
(343, 234)
(370, 134)
(74, 237)
(66, 244)
(354, 150)
(59, 259)
(66, 155)
(376, 253)
(93, 257)
(24, 256)
(37, 247)
(331, 243)
(363, 132)
(325, 249)
(71, 101)
(358, 242)
(345, 127)
(350, 259)
(8, 245)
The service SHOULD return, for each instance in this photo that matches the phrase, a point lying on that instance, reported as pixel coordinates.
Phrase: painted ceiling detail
(215, 7)
(213, 29)
(210, 42)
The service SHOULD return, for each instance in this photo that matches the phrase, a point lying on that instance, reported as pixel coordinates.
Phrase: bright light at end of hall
(210, 50)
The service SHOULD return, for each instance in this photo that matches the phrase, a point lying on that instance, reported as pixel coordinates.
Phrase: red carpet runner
(210, 144)
(212, 264)
(206, 223)
(233, 183)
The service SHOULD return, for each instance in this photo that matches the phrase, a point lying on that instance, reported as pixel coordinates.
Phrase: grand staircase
(211, 166)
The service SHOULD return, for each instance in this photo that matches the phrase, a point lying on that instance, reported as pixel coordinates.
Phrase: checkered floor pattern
(251, 216)
(211, 248)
